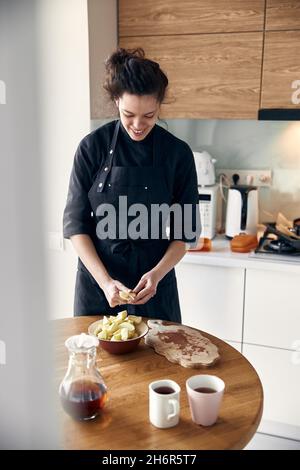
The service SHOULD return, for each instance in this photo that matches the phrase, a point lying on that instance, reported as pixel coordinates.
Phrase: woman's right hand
(111, 290)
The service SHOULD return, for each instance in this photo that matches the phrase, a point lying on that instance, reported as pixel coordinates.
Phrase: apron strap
(157, 148)
(109, 159)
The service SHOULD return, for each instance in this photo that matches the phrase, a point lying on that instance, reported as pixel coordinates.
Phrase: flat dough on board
(181, 344)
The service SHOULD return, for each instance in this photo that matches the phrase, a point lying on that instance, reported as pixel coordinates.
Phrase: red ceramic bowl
(121, 347)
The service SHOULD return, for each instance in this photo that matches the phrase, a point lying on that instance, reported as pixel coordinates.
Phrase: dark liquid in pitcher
(205, 390)
(84, 400)
(164, 390)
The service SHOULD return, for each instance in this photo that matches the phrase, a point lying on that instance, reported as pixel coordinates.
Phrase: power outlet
(262, 178)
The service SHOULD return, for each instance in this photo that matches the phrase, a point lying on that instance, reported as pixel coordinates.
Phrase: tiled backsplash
(250, 145)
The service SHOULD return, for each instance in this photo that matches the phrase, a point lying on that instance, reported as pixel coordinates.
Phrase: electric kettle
(205, 167)
(242, 210)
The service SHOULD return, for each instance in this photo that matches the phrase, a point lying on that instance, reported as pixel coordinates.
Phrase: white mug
(164, 403)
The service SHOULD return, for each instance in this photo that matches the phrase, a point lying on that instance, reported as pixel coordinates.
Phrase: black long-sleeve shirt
(177, 162)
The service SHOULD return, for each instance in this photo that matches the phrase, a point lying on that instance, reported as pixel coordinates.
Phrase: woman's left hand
(146, 288)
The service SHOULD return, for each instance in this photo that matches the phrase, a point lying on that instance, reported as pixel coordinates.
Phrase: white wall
(26, 375)
(63, 61)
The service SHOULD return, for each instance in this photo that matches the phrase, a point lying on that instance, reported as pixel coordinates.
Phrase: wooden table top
(124, 422)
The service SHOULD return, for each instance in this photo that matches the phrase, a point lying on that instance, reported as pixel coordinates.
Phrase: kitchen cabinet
(281, 66)
(255, 310)
(281, 69)
(271, 298)
(279, 371)
(282, 15)
(224, 60)
(211, 299)
(156, 18)
(210, 75)
(211, 52)
(271, 342)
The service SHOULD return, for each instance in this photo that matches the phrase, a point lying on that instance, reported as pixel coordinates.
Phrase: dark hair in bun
(129, 71)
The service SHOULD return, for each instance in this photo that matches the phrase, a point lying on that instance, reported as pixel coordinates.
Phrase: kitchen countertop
(221, 255)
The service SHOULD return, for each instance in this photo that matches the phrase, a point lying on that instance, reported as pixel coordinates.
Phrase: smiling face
(138, 114)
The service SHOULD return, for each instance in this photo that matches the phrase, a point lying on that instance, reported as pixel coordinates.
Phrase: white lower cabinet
(258, 313)
(211, 299)
(279, 371)
(272, 309)
(272, 344)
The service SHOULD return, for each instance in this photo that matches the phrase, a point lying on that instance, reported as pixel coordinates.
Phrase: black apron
(127, 260)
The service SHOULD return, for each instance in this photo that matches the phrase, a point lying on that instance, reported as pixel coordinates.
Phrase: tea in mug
(164, 390)
(205, 390)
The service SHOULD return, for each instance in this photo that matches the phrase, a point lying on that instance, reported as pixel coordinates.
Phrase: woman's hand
(146, 288)
(111, 289)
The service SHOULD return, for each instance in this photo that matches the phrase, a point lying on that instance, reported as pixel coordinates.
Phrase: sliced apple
(127, 325)
(135, 319)
(122, 315)
(124, 334)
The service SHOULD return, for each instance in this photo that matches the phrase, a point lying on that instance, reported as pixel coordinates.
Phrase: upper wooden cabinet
(281, 63)
(210, 75)
(224, 60)
(157, 17)
(210, 50)
(282, 14)
(281, 69)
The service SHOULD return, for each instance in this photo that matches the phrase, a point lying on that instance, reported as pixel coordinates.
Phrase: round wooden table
(124, 423)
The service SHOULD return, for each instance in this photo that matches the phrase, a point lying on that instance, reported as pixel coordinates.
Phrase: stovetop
(277, 245)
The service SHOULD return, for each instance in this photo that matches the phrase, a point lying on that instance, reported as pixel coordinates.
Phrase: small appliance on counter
(208, 210)
(242, 210)
(208, 193)
(243, 243)
(205, 167)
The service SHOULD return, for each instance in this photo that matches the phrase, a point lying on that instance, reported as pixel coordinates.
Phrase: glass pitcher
(83, 392)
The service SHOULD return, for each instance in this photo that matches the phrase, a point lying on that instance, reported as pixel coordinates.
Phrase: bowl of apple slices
(119, 334)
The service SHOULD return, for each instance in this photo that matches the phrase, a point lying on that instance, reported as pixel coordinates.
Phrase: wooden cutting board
(181, 344)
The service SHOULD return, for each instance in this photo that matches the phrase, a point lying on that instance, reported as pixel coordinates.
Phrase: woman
(137, 160)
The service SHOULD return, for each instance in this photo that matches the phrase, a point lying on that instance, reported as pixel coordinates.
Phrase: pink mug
(205, 393)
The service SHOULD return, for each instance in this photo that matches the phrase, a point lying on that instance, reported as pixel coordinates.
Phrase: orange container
(204, 244)
(243, 243)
